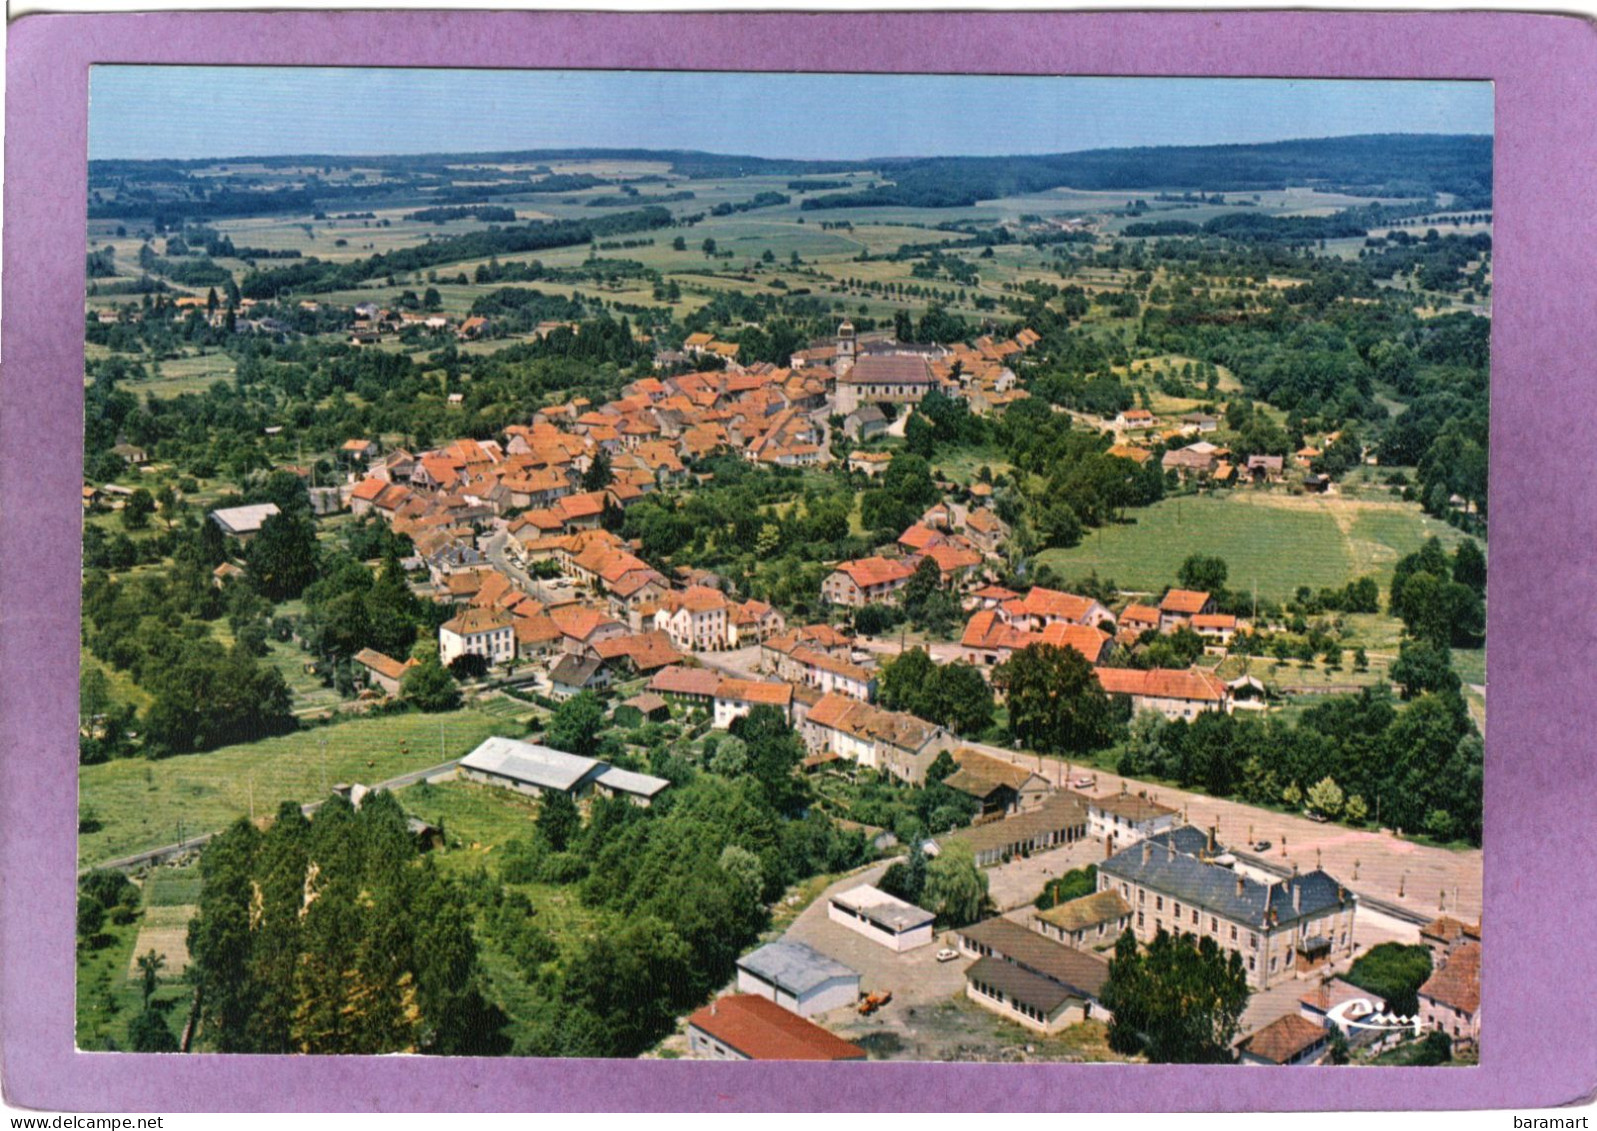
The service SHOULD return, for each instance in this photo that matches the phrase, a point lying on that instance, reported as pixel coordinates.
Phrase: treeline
(758, 200)
(314, 275)
(487, 213)
(333, 935)
(1416, 766)
(1405, 165)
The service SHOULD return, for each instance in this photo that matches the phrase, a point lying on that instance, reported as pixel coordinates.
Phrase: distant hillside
(1395, 165)
(1406, 165)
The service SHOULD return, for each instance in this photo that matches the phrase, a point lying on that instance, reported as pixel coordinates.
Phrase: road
(156, 855)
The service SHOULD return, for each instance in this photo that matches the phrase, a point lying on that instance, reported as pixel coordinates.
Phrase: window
(1233, 932)
(1178, 911)
(1158, 903)
(1194, 918)
(1253, 940)
(1250, 962)
(1214, 925)
(1139, 918)
(1274, 960)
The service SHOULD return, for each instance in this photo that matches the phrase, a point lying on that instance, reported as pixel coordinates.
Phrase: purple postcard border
(1540, 981)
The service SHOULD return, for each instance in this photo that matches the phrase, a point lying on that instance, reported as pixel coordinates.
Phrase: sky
(265, 111)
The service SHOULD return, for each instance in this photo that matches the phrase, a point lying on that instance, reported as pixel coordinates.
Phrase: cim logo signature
(1366, 1017)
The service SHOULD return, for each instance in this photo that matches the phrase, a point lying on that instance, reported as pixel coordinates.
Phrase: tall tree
(1055, 701)
(1176, 1002)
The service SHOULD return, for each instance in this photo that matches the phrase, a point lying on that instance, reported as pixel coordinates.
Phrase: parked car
(1261, 846)
(947, 954)
(1082, 783)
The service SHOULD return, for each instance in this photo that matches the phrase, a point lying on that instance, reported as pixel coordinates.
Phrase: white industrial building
(882, 918)
(798, 978)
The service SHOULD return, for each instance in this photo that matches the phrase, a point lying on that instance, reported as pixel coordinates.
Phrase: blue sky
(262, 111)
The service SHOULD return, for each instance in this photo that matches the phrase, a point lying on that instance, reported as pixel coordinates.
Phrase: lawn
(142, 804)
(1268, 539)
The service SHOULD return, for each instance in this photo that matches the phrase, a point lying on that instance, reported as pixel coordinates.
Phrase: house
(999, 786)
(735, 698)
(528, 768)
(871, 463)
(864, 580)
(865, 422)
(1266, 469)
(1450, 999)
(489, 633)
(1029, 979)
(1060, 819)
(1444, 935)
(798, 978)
(1280, 929)
(892, 741)
(985, 530)
(1042, 607)
(1091, 920)
(358, 452)
(1193, 460)
(882, 918)
(1173, 693)
(696, 619)
(750, 1027)
(1125, 818)
(1135, 418)
(1215, 628)
(245, 522)
(573, 674)
(691, 686)
(1200, 422)
(382, 671)
(1136, 619)
(753, 622)
(1289, 1039)
(831, 674)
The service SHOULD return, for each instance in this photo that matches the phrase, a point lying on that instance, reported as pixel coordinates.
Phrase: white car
(947, 954)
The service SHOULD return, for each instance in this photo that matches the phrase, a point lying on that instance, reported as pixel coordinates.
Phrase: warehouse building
(798, 978)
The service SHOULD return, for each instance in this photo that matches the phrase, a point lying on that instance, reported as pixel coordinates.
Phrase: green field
(1268, 539)
(140, 803)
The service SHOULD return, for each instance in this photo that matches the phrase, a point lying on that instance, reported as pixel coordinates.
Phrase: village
(765, 609)
(546, 598)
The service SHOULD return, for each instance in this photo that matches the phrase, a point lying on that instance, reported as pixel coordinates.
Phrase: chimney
(1241, 884)
(1171, 845)
(1297, 899)
(1147, 850)
(1212, 830)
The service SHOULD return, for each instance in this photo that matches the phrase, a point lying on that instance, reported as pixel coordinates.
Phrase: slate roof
(1078, 972)
(1218, 889)
(526, 762)
(1019, 984)
(794, 967)
(1088, 911)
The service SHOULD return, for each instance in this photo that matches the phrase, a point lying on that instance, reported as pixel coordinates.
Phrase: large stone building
(1172, 882)
(878, 378)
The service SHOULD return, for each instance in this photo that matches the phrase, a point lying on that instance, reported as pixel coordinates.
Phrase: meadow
(139, 804)
(1269, 539)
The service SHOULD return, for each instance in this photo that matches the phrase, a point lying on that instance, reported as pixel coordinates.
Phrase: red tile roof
(1183, 602)
(759, 1029)
(1162, 683)
(1458, 982)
